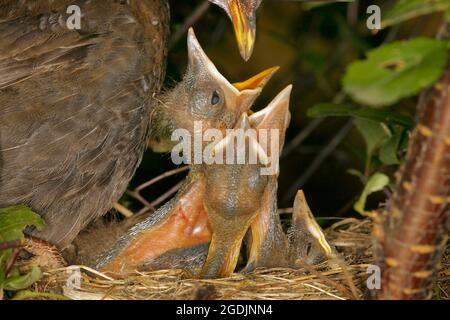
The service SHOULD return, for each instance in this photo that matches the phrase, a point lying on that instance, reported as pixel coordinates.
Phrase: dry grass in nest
(325, 281)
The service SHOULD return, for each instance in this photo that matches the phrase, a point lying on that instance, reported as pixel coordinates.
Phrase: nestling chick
(268, 245)
(306, 238)
(203, 95)
(231, 201)
(234, 203)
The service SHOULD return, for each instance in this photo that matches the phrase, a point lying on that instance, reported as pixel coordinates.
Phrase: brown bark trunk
(413, 235)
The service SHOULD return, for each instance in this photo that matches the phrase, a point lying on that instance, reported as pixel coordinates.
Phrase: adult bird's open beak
(244, 24)
(243, 16)
(239, 97)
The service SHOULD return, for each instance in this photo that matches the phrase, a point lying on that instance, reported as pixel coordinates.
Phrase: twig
(347, 276)
(161, 198)
(147, 205)
(88, 269)
(10, 245)
(140, 198)
(161, 177)
(191, 20)
(323, 291)
(285, 210)
(127, 213)
(412, 235)
(17, 246)
(352, 13)
(333, 283)
(167, 194)
(12, 260)
(301, 136)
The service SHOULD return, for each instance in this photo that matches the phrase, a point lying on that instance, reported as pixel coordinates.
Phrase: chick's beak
(257, 81)
(275, 116)
(248, 91)
(244, 24)
(239, 96)
(303, 218)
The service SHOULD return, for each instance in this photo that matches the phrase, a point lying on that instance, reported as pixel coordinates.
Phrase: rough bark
(413, 234)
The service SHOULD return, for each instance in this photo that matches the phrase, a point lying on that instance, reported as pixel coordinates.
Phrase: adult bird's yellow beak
(244, 23)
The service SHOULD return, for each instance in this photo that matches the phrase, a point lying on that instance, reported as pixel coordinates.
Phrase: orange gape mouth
(186, 226)
(257, 81)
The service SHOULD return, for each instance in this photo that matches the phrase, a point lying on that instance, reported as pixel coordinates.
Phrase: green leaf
(389, 150)
(408, 9)
(356, 173)
(374, 134)
(24, 281)
(375, 183)
(395, 71)
(12, 222)
(14, 219)
(342, 110)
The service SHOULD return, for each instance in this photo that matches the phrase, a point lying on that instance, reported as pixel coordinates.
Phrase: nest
(337, 280)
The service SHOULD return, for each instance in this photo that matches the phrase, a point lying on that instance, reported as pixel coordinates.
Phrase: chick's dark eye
(215, 99)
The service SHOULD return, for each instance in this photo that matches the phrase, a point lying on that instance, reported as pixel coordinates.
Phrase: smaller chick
(306, 238)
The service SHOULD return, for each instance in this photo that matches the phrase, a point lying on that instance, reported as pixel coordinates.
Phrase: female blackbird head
(203, 95)
(243, 16)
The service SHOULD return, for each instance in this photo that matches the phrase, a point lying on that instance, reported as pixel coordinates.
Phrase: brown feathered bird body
(75, 105)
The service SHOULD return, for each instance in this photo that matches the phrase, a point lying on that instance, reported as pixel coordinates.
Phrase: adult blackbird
(76, 104)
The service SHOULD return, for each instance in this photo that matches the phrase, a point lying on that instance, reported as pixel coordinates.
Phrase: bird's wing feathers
(72, 102)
